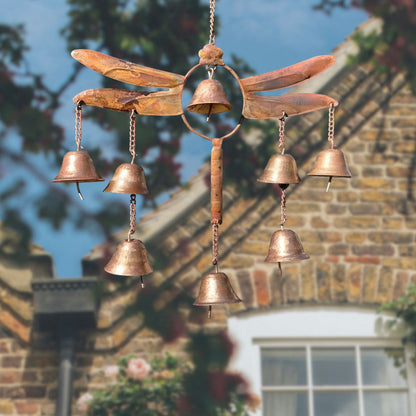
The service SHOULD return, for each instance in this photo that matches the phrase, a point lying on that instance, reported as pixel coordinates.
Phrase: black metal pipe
(66, 361)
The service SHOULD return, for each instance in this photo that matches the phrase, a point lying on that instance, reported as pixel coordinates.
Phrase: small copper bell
(285, 246)
(128, 179)
(77, 166)
(209, 98)
(280, 169)
(331, 162)
(215, 289)
(129, 259)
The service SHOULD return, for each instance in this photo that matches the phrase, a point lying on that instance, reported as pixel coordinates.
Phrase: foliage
(159, 34)
(394, 47)
(405, 309)
(161, 388)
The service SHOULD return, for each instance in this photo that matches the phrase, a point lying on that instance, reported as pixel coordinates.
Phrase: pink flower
(111, 371)
(83, 403)
(137, 368)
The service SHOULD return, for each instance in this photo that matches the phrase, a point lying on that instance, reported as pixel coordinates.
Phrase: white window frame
(313, 326)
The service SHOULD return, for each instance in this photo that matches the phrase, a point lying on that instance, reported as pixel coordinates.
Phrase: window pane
(385, 404)
(285, 404)
(334, 367)
(283, 367)
(383, 366)
(337, 404)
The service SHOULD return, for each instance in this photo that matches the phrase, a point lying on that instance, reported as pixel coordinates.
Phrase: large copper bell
(215, 289)
(209, 98)
(77, 166)
(280, 169)
(285, 246)
(332, 163)
(128, 179)
(129, 259)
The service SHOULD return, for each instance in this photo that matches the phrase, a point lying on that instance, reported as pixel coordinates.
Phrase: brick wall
(360, 237)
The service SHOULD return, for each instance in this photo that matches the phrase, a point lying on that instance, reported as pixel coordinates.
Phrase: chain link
(282, 133)
(211, 22)
(283, 209)
(132, 135)
(132, 229)
(215, 227)
(331, 124)
(78, 120)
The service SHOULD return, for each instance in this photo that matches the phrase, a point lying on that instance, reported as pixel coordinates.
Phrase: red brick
(262, 287)
(362, 259)
(9, 376)
(26, 408)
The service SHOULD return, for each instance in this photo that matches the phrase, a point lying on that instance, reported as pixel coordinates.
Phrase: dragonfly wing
(125, 71)
(286, 77)
(161, 103)
(262, 107)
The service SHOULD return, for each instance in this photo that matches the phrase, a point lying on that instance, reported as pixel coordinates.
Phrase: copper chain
(283, 209)
(132, 215)
(215, 227)
(211, 22)
(132, 135)
(282, 133)
(78, 119)
(331, 124)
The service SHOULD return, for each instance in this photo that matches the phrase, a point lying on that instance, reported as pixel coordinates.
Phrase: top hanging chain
(211, 22)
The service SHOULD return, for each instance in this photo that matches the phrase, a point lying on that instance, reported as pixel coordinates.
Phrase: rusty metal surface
(288, 76)
(262, 107)
(170, 102)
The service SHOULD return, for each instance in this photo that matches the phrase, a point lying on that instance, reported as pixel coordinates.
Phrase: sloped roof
(349, 232)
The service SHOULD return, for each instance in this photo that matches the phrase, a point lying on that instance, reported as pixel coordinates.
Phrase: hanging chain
(215, 227)
(132, 135)
(211, 22)
(78, 117)
(282, 133)
(331, 124)
(283, 209)
(132, 215)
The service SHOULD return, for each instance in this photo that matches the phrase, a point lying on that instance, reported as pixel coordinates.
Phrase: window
(316, 380)
(325, 361)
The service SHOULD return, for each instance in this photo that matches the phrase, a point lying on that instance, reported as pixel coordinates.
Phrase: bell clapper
(79, 192)
(209, 311)
(280, 269)
(141, 282)
(329, 183)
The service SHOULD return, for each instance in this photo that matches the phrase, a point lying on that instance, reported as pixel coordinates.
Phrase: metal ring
(185, 120)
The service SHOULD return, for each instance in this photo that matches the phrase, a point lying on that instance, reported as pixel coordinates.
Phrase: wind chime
(130, 257)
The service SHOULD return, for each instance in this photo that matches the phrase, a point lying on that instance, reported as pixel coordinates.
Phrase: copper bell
(129, 259)
(77, 166)
(128, 179)
(331, 162)
(209, 98)
(215, 289)
(285, 246)
(280, 169)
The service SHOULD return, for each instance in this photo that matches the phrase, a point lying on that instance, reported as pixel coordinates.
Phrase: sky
(268, 34)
